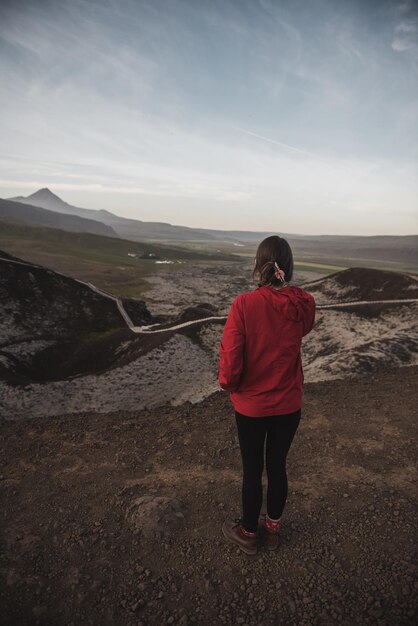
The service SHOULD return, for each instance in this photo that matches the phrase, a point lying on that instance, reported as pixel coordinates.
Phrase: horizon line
(288, 234)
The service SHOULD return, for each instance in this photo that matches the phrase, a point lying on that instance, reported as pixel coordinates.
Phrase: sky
(266, 115)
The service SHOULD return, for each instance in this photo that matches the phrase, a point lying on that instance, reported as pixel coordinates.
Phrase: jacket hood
(292, 301)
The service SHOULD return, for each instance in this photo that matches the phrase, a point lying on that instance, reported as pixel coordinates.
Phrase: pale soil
(170, 291)
(184, 365)
(71, 553)
(165, 374)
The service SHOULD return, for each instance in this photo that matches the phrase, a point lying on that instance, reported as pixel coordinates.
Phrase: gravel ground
(86, 501)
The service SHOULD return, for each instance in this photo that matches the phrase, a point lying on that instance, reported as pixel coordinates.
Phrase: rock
(38, 611)
(156, 517)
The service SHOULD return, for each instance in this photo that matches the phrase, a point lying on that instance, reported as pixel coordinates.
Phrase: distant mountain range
(16, 211)
(397, 249)
(135, 230)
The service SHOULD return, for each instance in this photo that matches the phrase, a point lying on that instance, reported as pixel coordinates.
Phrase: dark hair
(273, 249)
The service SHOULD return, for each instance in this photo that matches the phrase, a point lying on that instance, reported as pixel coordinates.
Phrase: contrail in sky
(278, 143)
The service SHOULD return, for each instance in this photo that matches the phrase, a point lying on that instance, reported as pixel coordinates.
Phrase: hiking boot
(233, 531)
(270, 538)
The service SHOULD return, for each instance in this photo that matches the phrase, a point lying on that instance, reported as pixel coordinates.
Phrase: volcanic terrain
(120, 460)
(66, 347)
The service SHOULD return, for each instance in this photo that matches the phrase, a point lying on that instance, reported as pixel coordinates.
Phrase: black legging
(280, 430)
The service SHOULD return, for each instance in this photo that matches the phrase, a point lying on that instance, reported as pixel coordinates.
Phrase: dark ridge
(6, 255)
(364, 283)
(197, 312)
(81, 330)
(138, 312)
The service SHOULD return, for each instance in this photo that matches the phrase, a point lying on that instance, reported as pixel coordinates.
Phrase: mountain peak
(44, 193)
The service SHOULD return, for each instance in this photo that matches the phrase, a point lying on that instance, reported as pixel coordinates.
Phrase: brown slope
(63, 327)
(361, 283)
(348, 545)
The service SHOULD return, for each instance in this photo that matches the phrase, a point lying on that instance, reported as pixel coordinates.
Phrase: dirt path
(71, 555)
(160, 328)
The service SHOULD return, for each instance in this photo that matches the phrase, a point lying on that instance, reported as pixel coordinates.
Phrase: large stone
(156, 516)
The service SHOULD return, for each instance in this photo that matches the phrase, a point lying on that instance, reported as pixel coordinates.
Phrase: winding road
(162, 327)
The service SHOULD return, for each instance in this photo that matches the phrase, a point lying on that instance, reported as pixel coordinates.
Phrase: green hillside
(105, 261)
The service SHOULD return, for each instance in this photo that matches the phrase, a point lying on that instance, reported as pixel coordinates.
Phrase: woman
(260, 364)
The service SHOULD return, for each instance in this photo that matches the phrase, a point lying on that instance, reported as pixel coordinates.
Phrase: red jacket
(260, 359)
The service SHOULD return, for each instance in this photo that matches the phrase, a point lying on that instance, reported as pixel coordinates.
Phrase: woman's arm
(231, 350)
(309, 317)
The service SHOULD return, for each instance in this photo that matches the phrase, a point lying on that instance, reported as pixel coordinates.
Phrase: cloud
(236, 105)
(406, 33)
(406, 6)
(286, 146)
(407, 26)
(402, 45)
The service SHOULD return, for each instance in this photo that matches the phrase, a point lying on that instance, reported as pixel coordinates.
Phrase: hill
(115, 264)
(23, 212)
(54, 326)
(359, 283)
(46, 199)
(128, 228)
